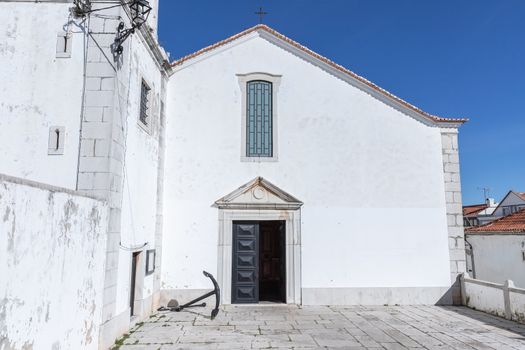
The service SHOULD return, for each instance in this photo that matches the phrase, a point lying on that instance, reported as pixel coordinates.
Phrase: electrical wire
(122, 4)
(125, 130)
(106, 8)
(83, 100)
(124, 120)
(101, 50)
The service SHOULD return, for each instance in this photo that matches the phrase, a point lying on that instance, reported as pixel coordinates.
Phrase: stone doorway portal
(258, 202)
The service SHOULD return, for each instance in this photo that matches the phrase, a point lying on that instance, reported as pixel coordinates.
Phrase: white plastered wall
(52, 256)
(38, 90)
(139, 193)
(370, 177)
(498, 257)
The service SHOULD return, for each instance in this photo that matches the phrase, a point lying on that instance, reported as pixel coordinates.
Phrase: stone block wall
(451, 172)
(102, 140)
(110, 148)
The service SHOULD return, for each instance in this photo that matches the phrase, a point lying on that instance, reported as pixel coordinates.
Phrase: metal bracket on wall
(122, 35)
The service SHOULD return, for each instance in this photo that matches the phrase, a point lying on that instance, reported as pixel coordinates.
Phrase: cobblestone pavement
(316, 327)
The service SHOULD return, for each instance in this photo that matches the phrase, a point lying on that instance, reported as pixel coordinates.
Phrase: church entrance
(259, 262)
(259, 255)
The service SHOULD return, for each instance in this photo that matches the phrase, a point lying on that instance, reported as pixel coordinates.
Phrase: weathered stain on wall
(503, 300)
(52, 256)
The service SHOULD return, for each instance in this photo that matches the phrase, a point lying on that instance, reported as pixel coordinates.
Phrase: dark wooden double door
(259, 262)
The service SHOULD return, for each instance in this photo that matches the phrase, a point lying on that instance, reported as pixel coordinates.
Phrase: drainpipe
(471, 258)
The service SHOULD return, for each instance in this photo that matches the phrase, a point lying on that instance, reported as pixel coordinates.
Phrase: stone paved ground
(314, 327)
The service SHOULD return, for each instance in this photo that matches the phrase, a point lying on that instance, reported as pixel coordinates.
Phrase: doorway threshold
(263, 304)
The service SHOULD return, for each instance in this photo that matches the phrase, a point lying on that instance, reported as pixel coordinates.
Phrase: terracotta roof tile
(511, 223)
(323, 59)
(473, 209)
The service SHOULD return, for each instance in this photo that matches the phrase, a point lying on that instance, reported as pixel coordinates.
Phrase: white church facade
(366, 186)
(288, 177)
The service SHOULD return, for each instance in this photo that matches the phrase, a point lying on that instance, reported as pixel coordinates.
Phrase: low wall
(52, 256)
(504, 300)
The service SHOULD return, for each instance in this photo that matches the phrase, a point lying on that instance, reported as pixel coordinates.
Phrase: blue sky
(453, 58)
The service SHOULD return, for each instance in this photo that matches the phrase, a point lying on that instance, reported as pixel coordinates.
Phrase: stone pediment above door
(259, 194)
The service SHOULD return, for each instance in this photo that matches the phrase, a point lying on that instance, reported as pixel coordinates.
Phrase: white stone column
(451, 172)
(100, 169)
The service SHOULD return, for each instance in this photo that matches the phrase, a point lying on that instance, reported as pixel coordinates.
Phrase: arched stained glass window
(259, 126)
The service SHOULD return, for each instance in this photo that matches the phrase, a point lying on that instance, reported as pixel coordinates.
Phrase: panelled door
(245, 264)
(272, 276)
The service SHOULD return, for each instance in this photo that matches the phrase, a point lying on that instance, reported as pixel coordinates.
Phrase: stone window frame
(275, 79)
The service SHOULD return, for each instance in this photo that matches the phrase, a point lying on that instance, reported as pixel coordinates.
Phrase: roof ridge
(474, 209)
(217, 44)
(506, 195)
(323, 59)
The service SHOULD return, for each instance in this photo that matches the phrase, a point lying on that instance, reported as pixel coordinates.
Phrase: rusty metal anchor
(173, 304)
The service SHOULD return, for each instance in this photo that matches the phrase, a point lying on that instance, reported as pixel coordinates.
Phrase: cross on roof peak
(261, 14)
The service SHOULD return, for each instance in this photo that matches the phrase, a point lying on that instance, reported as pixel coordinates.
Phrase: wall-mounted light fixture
(140, 10)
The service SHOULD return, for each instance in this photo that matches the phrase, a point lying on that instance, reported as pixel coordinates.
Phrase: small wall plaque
(150, 261)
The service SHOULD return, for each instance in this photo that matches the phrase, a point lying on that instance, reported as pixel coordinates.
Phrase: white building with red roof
(513, 202)
(481, 214)
(496, 251)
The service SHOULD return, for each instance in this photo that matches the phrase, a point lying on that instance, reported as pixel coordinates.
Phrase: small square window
(63, 48)
(56, 140)
(144, 104)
